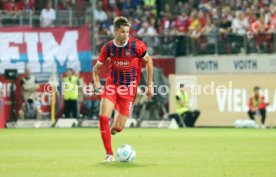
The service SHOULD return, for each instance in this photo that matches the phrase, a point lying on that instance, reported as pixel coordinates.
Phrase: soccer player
(257, 105)
(126, 55)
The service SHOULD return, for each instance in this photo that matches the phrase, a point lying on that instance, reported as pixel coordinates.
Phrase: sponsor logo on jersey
(128, 53)
(121, 63)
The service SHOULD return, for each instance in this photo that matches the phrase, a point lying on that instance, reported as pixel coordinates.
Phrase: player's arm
(101, 60)
(263, 103)
(251, 107)
(142, 53)
(179, 101)
(149, 68)
(182, 103)
(96, 77)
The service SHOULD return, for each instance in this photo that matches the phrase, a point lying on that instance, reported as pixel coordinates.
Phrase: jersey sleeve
(263, 103)
(103, 55)
(141, 49)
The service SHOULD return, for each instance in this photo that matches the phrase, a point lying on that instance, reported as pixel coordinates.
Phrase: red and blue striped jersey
(126, 61)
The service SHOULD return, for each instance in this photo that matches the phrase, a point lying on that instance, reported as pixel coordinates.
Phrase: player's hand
(150, 91)
(255, 109)
(182, 103)
(98, 88)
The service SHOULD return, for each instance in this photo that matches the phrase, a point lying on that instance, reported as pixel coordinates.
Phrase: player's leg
(21, 114)
(106, 108)
(251, 114)
(66, 108)
(195, 116)
(74, 108)
(188, 118)
(38, 114)
(263, 116)
(119, 123)
(123, 108)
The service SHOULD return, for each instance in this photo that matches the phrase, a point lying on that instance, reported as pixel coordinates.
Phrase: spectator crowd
(206, 22)
(202, 20)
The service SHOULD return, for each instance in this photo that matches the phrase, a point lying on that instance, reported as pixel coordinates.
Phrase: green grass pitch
(200, 152)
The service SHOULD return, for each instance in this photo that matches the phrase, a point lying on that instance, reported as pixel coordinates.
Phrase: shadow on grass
(124, 165)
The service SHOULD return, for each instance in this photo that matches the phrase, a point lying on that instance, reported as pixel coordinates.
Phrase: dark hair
(30, 101)
(256, 88)
(182, 85)
(121, 21)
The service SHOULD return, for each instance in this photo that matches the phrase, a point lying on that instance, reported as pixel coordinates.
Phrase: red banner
(45, 49)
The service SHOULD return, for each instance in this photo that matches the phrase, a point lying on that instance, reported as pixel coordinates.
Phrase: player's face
(69, 73)
(122, 34)
(27, 73)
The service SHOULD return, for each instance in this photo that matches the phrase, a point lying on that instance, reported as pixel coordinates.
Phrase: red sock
(105, 133)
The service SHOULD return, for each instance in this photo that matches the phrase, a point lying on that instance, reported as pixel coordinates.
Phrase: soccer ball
(125, 153)
(238, 124)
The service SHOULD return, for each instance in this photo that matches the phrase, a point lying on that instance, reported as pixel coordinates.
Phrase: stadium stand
(197, 25)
